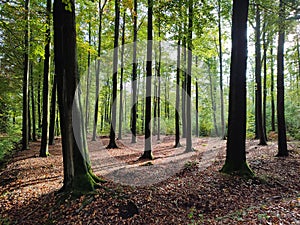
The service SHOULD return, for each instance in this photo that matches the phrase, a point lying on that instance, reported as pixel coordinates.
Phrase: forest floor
(174, 188)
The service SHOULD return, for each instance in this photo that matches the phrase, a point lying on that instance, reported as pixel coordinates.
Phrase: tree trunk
(189, 80)
(177, 128)
(264, 115)
(33, 106)
(258, 94)
(197, 109)
(235, 151)
(121, 80)
(88, 83)
(25, 130)
(183, 85)
(134, 76)
(272, 92)
(148, 136)
(78, 177)
(212, 98)
(52, 112)
(221, 72)
(159, 80)
(282, 145)
(45, 132)
(113, 114)
(101, 8)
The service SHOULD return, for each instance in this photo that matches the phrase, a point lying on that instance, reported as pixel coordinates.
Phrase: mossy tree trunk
(78, 176)
(235, 151)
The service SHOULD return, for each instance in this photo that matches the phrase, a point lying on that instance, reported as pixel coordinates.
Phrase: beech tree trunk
(53, 112)
(45, 132)
(235, 149)
(112, 133)
(25, 125)
(148, 133)
(78, 176)
(258, 92)
(134, 76)
(272, 91)
(189, 80)
(282, 145)
(121, 80)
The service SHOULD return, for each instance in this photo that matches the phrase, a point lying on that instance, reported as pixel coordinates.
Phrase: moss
(83, 184)
(237, 169)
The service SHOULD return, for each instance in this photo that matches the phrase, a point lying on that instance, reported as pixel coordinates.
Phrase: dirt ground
(177, 187)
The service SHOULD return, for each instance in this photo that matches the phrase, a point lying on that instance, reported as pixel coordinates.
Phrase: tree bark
(112, 133)
(33, 114)
(235, 151)
(272, 92)
(148, 134)
(258, 94)
(223, 135)
(88, 83)
(78, 176)
(45, 132)
(134, 76)
(53, 112)
(282, 145)
(101, 8)
(121, 80)
(25, 127)
(189, 80)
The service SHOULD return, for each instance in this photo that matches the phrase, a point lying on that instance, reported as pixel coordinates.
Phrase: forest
(149, 112)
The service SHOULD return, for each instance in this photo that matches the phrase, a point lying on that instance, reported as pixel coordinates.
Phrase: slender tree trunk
(189, 80)
(33, 106)
(212, 97)
(78, 176)
(221, 72)
(53, 112)
(282, 145)
(25, 130)
(272, 92)
(45, 131)
(159, 80)
(236, 149)
(148, 136)
(265, 47)
(298, 56)
(101, 8)
(183, 86)
(112, 134)
(197, 109)
(88, 83)
(134, 76)
(39, 102)
(177, 128)
(121, 80)
(258, 95)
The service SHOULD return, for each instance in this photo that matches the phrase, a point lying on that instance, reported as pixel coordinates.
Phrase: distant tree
(235, 151)
(78, 176)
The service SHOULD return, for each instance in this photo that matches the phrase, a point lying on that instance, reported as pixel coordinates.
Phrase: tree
(235, 149)
(189, 79)
(258, 92)
(78, 176)
(101, 9)
(221, 71)
(148, 135)
(45, 132)
(52, 111)
(121, 79)
(112, 133)
(282, 145)
(25, 125)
